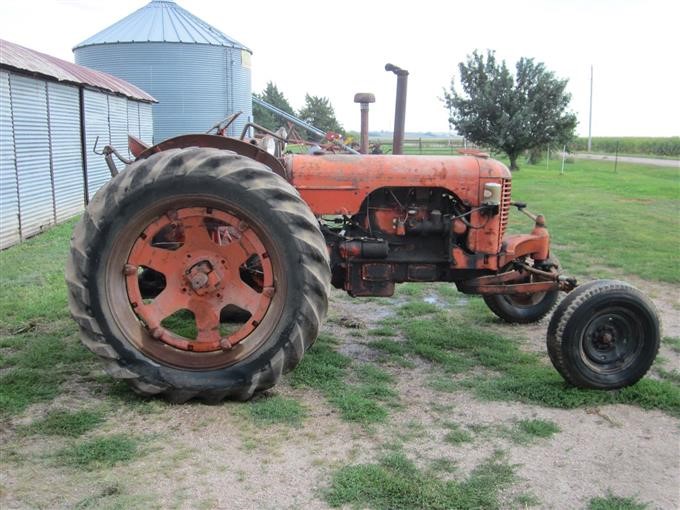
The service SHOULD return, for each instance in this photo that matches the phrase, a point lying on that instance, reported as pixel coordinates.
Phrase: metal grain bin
(198, 74)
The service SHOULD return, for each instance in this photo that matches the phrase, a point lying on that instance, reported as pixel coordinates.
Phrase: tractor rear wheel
(524, 308)
(604, 335)
(217, 235)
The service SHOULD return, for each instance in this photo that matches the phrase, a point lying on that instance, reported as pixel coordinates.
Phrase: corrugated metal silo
(198, 74)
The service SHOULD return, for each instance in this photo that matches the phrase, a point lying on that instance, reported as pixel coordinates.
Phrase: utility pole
(590, 114)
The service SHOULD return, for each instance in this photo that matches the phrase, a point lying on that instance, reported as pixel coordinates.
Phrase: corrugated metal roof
(17, 57)
(162, 21)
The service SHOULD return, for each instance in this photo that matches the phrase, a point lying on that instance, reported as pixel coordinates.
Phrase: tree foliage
(274, 97)
(510, 113)
(318, 111)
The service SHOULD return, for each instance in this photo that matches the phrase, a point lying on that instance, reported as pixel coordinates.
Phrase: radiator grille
(505, 205)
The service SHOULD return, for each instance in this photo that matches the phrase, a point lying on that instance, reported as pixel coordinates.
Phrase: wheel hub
(608, 341)
(204, 278)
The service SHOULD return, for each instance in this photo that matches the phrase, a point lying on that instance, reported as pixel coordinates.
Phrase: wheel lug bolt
(129, 269)
(157, 333)
(226, 344)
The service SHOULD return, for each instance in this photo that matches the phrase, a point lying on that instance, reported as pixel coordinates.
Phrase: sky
(336, 49)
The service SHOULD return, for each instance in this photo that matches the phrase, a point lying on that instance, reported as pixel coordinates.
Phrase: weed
(410, 289)
(417, 309)
(526, 500)
(355, 406)
(669, 375)
(456, 434)
(443, 465)
(326, 370)
(99, 452)
(390, 346)
(382, 331)
(525, 431)
(673, 342)
(111, 497)
(277, 409)
(370, 374)
(395, 482)
(67, 423)
(322, 367)
(443, 384)
(611, 502)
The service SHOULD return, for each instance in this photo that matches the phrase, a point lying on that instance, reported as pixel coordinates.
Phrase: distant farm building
(51, 114)
(198, 74)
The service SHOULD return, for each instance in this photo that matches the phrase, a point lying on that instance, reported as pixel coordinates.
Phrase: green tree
(274, 97)
(319, 112)
(510, 113)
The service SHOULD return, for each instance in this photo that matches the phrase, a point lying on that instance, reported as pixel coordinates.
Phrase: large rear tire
(218, 232)
(604, 335)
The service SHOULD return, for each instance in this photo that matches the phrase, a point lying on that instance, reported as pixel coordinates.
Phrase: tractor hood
(339, 183)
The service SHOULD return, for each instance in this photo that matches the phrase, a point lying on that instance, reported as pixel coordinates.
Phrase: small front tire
(604, 335)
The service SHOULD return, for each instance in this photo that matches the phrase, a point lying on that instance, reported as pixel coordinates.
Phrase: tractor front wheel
(604, 335)
(524, 308)
(198, 273)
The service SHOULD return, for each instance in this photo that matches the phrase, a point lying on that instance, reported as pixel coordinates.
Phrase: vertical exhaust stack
(400, 108)
(364, 99)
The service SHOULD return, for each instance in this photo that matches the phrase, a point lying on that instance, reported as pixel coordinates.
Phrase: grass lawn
(628, 221)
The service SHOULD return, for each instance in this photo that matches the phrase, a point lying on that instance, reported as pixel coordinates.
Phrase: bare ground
(198, 456)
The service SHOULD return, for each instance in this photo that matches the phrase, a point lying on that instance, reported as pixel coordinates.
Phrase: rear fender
(141, 151)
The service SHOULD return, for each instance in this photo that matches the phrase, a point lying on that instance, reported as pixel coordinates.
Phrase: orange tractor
(204, 268)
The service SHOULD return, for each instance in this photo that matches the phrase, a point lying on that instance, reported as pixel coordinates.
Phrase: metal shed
(198, 74)
(51, 112)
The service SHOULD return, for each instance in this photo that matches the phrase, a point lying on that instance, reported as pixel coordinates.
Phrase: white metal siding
(96, 125)
(67, 164)
(41, 167)
(146, 123)
(9, 199)
(132, 120)
(118, 124)
(29, 111)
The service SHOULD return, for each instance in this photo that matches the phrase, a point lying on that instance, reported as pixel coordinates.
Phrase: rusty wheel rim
(210, 259)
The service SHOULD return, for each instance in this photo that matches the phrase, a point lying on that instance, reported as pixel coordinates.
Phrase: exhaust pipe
(364, 99)
(399, 109)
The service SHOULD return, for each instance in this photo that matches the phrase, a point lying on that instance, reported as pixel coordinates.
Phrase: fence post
(616, 157)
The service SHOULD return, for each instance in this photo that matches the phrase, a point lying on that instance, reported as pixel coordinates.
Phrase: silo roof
(162, 21)
(19, 58)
